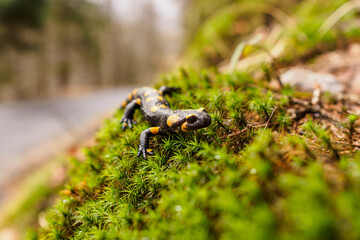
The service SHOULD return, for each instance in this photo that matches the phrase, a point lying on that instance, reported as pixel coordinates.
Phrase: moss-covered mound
(258, 172)
(274, 164)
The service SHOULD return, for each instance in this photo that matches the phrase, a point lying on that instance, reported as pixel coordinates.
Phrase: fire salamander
(157, 112)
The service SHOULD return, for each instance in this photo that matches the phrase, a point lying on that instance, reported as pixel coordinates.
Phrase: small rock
(306, 80)
(355, 83)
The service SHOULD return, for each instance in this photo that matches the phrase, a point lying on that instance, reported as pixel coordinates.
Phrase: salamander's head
(195, 119)
(188, 120)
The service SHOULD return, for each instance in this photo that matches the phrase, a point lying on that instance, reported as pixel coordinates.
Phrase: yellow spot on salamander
(138, 101)
(160, 92)
(130, 96)
(201, 109)
(163, 106)
(154, 130)
(66, 192)
(176, 131)
(134, 91)
(149, 150)
(146, 94)
(150, 99)
(183, 127)
(172, 119)
(154, 108)
(123, 104)
(188, 116)
(160, 98)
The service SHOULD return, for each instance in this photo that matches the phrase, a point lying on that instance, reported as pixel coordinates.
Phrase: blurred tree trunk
(64, 64)
(42, 86)
(96, 31)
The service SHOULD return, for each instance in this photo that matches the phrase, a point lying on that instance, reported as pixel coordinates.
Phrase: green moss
(228, 180)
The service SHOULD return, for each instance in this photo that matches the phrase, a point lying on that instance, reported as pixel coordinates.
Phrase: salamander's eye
(191, 118)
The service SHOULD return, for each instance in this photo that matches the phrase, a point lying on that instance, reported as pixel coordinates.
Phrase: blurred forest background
(51, 48)
(55, 47)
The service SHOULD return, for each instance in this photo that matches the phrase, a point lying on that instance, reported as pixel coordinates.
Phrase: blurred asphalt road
(30, 125)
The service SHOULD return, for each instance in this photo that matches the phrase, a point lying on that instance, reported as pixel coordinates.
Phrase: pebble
(306, 80)
(355, 83)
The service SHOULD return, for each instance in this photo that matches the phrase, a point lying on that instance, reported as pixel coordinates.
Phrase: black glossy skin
(157, 112)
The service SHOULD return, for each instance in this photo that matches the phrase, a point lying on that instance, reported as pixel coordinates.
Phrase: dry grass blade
(239, 51)
(336, 16)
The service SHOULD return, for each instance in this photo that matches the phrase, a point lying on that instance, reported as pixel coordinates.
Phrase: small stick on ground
(316, 95)
(238, 132)
(244, 130)
(299, 101)
(272, 114)
(276, 73)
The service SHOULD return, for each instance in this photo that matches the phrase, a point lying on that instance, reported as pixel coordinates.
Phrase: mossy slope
(247, 176)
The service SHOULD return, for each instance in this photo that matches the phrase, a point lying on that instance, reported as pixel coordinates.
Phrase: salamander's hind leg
(168, 90)
(144, 141)
(128, 117)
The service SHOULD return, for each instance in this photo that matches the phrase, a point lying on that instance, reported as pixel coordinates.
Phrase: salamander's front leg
(128, 117)
(168, 90)
(144, 141)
